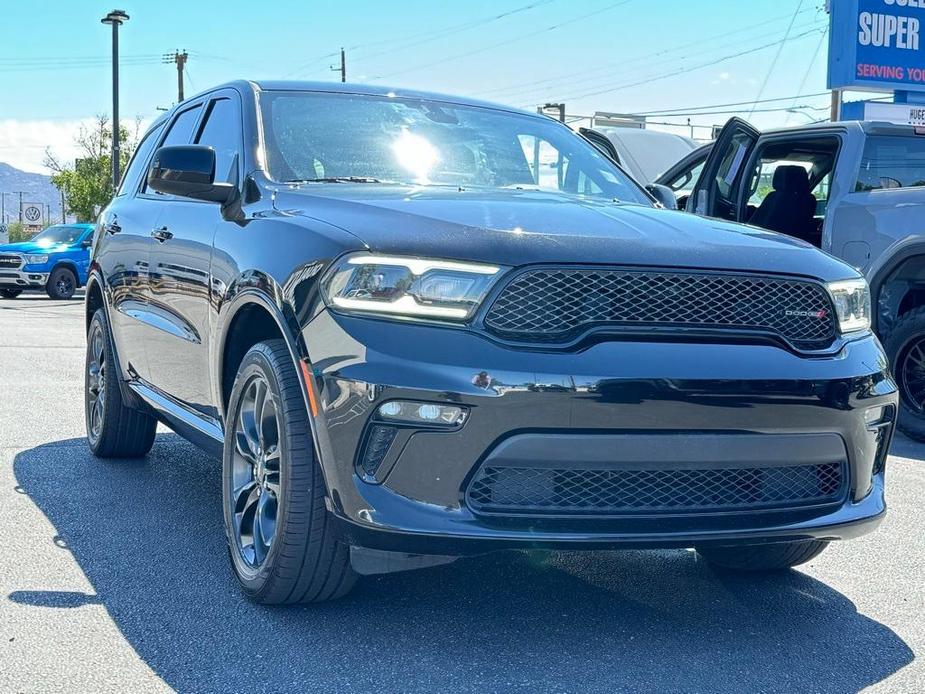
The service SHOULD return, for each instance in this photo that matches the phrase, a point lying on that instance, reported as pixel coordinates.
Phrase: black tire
(113, 429)
(303, 561)
(62, 284)
(770, 557)
(901, 348)
(10, 293)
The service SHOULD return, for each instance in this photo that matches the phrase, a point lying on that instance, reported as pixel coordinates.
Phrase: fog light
(422, 413)
(377, 446)
(874, 415)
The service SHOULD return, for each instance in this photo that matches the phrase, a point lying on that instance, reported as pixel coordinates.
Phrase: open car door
(716, 191)
(602, 142)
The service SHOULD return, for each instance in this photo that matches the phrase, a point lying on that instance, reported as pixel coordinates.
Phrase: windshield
(321, 137)
(57, 235)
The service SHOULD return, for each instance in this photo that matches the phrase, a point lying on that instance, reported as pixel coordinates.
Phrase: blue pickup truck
(55, 260)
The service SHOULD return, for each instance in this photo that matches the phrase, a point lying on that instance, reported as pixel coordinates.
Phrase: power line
(431, 35)
(609, 66)
(507, 42)
(656, 78)
(809, 68)
(691, 110)
(780, 48)
(592, 82)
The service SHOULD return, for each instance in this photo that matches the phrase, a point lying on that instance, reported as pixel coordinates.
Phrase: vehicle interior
(788, 187)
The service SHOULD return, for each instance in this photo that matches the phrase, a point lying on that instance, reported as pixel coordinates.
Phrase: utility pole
(115, 19)
(180, 60)
(836, 105)
(20, 193)
(343, 66)
(2, 208)
(63, 207)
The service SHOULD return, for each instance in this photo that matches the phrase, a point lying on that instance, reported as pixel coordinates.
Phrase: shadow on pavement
(149, 538)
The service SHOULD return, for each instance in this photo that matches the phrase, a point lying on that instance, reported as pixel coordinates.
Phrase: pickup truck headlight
(412, 287)
(852, 304)
(35, 259)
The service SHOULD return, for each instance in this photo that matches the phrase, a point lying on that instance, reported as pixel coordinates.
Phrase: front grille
(8, 261)
(557, 304)
(504, 489)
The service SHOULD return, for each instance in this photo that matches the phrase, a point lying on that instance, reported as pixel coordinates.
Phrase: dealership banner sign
(877, 44)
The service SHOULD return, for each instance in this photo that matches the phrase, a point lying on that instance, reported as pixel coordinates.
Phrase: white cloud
(23, 142)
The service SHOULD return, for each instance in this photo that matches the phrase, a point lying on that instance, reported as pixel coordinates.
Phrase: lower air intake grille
(627, 492)
(557, 304)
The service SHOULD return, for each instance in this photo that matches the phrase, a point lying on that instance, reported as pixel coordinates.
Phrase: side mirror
(664, 195)
(188, 171)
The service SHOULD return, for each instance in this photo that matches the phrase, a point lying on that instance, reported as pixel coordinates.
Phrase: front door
(716, 191)
(181, 287)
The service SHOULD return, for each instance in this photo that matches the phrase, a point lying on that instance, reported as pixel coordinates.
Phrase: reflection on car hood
(517, 227)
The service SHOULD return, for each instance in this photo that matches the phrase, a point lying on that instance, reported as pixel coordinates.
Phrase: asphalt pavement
(114, 578)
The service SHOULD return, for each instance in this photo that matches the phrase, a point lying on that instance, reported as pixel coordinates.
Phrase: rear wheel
(10, 293)
(771, 557)
(906, 349)
(113, 430)
(282, 544)
(62, 284)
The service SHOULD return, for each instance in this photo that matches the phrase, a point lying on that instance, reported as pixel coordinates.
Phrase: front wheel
(10, 293)
(62, 284)
(771, 557)
(280, 537)
(905, 348)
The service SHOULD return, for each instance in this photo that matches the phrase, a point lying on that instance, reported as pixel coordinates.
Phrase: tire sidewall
(53, 280)
(907, 329)
(99, 320)
(254, 363)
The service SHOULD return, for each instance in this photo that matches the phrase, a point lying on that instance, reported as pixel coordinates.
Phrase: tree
(87, 185)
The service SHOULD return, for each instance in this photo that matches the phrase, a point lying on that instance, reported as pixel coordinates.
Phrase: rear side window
(138, 166)
(892, 162)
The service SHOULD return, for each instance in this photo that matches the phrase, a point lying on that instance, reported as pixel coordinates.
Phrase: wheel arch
(70, 265)
(897, 282)
(252, 316)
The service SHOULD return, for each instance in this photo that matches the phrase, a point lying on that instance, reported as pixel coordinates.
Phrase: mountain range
(36, 188)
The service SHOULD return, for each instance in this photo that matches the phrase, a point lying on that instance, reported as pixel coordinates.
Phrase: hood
(32, 247)
(519, 227)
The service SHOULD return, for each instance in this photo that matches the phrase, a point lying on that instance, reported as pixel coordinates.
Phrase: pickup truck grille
(558, 304)
(10, 261)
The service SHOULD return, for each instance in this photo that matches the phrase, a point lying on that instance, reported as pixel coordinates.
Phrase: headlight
(852, 304)
(414, 287)
(35, 259)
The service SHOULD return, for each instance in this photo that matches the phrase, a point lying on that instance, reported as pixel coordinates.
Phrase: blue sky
(597, 55)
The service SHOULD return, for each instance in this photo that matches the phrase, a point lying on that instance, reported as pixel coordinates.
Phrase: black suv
(416, 327)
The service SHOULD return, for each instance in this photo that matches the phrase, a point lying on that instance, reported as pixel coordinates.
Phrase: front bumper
(671, 398)
(23, 279)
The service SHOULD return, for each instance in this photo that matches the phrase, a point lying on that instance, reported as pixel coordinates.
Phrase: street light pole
(115, 19)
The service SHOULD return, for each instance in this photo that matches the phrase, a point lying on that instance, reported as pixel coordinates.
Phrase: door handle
(112, 227)
(162, 234)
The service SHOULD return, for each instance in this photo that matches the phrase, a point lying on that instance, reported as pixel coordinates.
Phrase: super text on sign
(877, 44)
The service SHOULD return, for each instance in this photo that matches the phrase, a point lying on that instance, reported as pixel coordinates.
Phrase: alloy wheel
(65, 285)
(910, 372)
(96, 382)
(255, 473)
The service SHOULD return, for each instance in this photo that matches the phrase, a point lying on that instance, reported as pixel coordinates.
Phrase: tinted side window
(138, 166)
(181, 130)
(222, 132)
(892, 162)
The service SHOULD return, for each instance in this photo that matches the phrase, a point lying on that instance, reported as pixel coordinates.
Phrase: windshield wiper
(338, 179)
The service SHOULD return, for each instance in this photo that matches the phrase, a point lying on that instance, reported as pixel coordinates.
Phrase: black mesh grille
(554, 305)
(623, 492)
